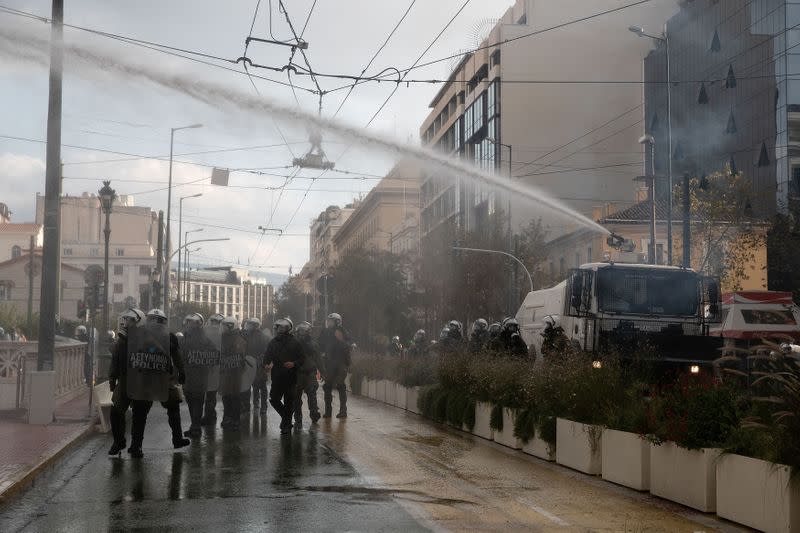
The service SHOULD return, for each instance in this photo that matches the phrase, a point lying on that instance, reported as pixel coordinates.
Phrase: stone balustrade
(17, 357)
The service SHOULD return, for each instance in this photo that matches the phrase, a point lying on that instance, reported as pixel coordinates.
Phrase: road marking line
(547, 514)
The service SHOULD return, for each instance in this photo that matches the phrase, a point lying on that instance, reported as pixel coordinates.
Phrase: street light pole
(168, 241)
(512, 282)
(186, 258)
(107, 196)
(180, 229)
(515, 258)
(665, 39)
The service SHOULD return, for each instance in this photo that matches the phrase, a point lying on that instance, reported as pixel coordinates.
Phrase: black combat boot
(174, 418)
(118, 431)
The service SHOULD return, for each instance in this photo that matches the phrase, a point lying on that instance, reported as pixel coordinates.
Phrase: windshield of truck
(641, 291)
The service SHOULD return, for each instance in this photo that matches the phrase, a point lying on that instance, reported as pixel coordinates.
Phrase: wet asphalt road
(254, 480)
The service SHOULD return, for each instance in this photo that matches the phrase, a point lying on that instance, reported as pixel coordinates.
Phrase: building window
(577, 259)
(213, 294)
(144, 270)
(118, 270)
(118, 288)
(589, 254)
(16, 251)
(5, 291)
(495, 59)
(119, 252)
(562, 267)
(205, 293)
(229, 295)
(196, 292)
(67, 251)
(230, 310)
(493, 99)
(94, 252)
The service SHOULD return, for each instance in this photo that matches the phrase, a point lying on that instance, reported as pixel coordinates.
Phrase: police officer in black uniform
(116, 381)
(307, 376)
(336, 349)
(479, 337)
(284, 357)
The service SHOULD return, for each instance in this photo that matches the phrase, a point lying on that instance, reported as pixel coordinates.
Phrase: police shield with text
(201, 358)
(117, 377)
(307, 376)
(213, 332)
(284, 357)
(335, 346)
(232, 364)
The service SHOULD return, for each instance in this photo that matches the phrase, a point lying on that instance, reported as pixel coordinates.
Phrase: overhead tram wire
(156, 47)
(375, 55)
(308, 18)
(385, 79)
(403, 76)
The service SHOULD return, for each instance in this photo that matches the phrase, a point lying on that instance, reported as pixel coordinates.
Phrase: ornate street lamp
(107, 196)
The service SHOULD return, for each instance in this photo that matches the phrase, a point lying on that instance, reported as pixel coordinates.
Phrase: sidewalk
(26, 450)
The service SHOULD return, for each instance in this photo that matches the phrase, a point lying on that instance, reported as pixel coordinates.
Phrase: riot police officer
(157, 320)
(233, 348)
(419, 345)
(117, 383)
(479, 337)
(201, 360)
(512, 343)
(284, 357)
(453, 340)
(213, 332)
(306, 376)
(394, 349)
(257, 343)
(336, 349)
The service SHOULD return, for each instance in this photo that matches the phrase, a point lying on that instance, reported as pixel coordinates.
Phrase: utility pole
(155, 295)
(30, 284)
(50, 259)
(687, 223)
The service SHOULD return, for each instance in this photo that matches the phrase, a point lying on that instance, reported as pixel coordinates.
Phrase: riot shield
(257, 343)
(149, 366)
(201, 359)
(213, 334)
(232, 364)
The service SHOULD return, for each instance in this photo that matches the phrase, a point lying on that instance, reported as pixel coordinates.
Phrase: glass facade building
(735, 88)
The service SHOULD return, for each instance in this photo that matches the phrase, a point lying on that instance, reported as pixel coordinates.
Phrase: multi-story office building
(735, 95)
(230, 292)
(553, 97)
(133, 243)
(389, 203)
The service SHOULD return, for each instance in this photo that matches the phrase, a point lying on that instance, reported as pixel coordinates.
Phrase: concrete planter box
(372, 389)
(580, 446)
(626, 459)
(388, 392)
(380, 391)
(412, 400)
(506, 437)
(539, 448)
(400, 396)
(757, 494)
(684, 476)
(483, 414)
(364, 387)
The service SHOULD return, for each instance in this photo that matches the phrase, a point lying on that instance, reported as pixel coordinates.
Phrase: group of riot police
(499, 338)
(218, 358)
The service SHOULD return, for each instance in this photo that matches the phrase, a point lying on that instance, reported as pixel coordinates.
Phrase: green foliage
(771, 431)
(11, 316)
(290, 301)
(695, 413)
(496, 417)
(448, 405)
(525, 424)
(547, 429)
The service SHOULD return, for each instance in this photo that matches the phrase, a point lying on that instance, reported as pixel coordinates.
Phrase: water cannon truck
(632, 309)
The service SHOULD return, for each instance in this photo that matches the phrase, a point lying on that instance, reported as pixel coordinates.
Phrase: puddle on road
(385, 494)
(430, 440)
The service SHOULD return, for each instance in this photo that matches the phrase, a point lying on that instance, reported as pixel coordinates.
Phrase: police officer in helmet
(284, 357)
(213, 332)
(307, 375)
(117, 383)
(479, 337)
(335, 346)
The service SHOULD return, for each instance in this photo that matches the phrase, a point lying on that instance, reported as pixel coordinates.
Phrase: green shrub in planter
(496, 417)
(525, 424)
(547, 429)
(695, 413)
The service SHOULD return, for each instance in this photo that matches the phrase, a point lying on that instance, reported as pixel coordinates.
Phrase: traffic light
(81, 310)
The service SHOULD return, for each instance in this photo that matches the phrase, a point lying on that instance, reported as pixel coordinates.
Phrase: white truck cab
(627, 305)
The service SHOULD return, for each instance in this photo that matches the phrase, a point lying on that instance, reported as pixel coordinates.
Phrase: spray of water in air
(25, 46)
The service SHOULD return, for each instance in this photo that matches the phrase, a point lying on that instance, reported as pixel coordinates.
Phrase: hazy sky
(130, 116)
